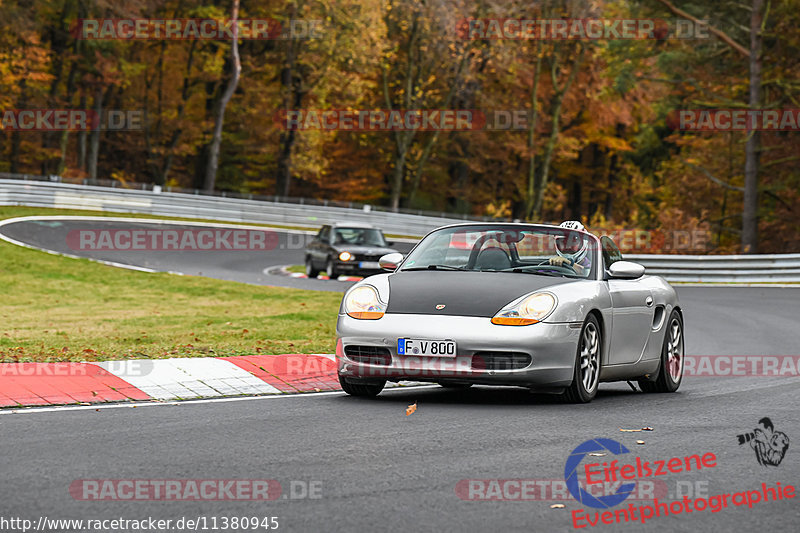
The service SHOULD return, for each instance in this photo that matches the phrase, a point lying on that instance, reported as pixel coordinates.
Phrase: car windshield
(359, 236)
(520, 249)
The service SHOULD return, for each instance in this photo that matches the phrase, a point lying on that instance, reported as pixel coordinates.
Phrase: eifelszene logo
(614, 472)
(571, 474)
(770, 445)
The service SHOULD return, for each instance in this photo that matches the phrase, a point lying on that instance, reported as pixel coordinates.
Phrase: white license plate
(369, 264)
(426, 347)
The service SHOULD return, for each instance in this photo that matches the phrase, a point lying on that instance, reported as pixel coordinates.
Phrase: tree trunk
(610, 193)
(176, 135)
(403, 139)
(82, 139)
(529, 195)
(219, 114)
(58, 45)
(398, 171)
(750, 212)
(457, 198)
(291, 100)
(558, 100)
(284, 179)
(94, 140)
(426, 152)
(16, 139)
(71, 82)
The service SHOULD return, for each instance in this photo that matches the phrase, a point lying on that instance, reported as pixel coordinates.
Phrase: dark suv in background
(346, 249)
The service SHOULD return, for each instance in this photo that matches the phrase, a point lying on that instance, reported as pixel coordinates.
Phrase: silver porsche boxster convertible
(550, 308)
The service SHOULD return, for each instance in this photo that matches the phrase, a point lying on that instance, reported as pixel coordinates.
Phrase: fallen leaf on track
(557, 506)
(639, 442)
(411, 408)
(593, 454)
(629, 430)
(648, 428)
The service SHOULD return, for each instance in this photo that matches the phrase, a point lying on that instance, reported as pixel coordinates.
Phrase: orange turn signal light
(513, 321)
(366, 315)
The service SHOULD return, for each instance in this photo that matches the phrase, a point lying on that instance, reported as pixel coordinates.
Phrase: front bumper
(353, 267)
(552, 349)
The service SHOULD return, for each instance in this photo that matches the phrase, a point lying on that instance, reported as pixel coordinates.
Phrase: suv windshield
(359, 236)
(520, 249)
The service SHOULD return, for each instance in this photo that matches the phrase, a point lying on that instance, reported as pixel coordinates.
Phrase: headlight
(363, 303)
(527, 310)
(345, 256)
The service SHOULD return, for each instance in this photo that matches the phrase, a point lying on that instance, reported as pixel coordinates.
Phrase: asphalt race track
(377, 469)
(247, 266)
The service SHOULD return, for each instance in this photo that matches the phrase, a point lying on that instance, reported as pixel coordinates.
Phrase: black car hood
(462, 293)
(363, 250)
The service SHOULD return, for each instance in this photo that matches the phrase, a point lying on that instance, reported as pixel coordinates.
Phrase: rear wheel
(311, 272)
(670, 373)
(367, 389)
(587, 364)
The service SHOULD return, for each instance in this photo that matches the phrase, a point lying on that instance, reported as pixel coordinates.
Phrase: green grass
(62, 309)
(299, 269)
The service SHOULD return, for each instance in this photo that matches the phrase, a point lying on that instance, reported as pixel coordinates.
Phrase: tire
(311, 272)
(586, 376)
(670, 372)
(330, 270)
(454, 386)
(368, 389)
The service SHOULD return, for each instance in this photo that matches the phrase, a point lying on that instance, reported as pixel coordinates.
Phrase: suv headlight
(363, 303)
(526, 310)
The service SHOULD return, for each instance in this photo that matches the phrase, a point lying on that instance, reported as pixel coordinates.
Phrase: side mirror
(625, 270)
(390, 261)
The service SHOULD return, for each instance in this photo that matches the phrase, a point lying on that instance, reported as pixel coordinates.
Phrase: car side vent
(658, 317)
(372, 355)
(500, 360)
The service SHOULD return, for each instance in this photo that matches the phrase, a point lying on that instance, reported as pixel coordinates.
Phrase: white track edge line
(38, 409)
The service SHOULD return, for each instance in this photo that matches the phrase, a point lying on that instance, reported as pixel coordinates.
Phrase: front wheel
(367, 389)
(670, 373)
(586, 376)
(330, 270)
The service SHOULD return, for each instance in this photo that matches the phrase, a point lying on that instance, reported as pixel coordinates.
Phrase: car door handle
(649, 301)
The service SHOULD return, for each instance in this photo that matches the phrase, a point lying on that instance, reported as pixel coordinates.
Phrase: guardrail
(36, 193)
(723, 268)
(118, 200)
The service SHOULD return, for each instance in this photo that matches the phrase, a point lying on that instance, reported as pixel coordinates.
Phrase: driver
(572, 249)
